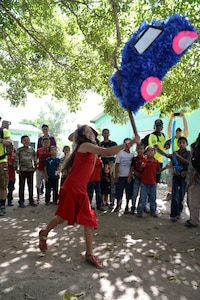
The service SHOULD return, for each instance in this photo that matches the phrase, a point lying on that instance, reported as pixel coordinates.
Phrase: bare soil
(144, 258)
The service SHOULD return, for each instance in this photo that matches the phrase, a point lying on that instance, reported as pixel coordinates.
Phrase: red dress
(74, 205)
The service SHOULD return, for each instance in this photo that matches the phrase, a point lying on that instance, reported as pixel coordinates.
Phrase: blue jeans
(122, 184)
(147, 190)
(178, 193)
(136, 188)
(95, 186)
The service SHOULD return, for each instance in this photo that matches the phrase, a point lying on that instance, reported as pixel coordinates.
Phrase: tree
(56, 117)
(66, 48)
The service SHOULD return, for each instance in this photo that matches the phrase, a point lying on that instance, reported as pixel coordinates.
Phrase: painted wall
(145, 125)
(18, 130)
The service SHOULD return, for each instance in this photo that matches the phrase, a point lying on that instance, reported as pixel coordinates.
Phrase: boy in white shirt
(122, 167)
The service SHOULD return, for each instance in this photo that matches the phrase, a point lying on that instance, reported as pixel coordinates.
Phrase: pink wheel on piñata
(151, 88)
(183, 40)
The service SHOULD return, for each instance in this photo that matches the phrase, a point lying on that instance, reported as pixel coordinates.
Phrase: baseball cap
(158, 122)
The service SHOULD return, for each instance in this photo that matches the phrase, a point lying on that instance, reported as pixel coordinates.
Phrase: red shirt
(11, 170)
(137, 162)
(149, 172)
(42, 154)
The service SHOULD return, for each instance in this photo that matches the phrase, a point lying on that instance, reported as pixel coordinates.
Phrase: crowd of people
(104, 168)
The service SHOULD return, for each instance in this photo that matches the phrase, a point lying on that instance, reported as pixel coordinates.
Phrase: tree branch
(30, 35)
(5, 35)
(113, 59)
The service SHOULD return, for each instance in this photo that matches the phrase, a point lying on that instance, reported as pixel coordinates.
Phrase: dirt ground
(144, 258)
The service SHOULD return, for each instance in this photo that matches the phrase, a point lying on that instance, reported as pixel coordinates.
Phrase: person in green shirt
(157, 140)
(4, 141)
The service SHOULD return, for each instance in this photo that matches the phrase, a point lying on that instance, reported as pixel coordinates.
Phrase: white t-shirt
(124, 159)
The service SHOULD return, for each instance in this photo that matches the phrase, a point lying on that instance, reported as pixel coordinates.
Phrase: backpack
(1, 136)
(145, 140)
(196, 155)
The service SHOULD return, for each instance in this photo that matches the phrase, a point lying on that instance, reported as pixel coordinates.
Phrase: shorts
(3, 175)
(39, 177)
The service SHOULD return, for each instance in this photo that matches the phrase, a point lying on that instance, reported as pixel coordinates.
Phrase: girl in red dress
(74, 205)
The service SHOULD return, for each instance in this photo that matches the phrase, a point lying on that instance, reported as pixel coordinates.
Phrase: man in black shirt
(106, 143)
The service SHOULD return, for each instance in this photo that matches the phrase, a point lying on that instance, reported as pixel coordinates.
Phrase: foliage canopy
(65, 48)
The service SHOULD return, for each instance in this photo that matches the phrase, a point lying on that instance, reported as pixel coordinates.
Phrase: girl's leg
(43, 233)
(88, 241)
(52, 224)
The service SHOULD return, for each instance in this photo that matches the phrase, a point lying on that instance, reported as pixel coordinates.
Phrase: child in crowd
(169, 173)
(11, 174)
(135, 173)
(66, 150)
(122, 167)
(51, 171)
(105, 182)
(150, 167)
(74, 205)
(25, 164)
(178, 180)
(193, 192)
(94, 184)
(42, 154)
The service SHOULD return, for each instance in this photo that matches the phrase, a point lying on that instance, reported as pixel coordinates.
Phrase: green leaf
(65, 48)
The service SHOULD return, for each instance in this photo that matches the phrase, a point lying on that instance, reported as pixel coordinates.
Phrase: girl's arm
(88, 147)
(130, 173)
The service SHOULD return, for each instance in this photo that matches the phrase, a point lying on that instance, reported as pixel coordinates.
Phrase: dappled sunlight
(22, 269)
(144, 258)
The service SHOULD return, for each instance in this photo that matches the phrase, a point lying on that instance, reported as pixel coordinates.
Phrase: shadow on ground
(144, 258)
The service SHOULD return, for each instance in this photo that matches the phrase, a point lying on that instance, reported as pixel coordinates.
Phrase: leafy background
(67, 48)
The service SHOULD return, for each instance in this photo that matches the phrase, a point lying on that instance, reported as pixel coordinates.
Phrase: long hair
(79, 138)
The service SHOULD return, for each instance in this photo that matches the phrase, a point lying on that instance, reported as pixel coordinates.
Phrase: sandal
(94, 260)
(42, 242)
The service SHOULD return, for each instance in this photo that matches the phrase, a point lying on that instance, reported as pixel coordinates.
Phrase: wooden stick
(132, 121)
(127, 107)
